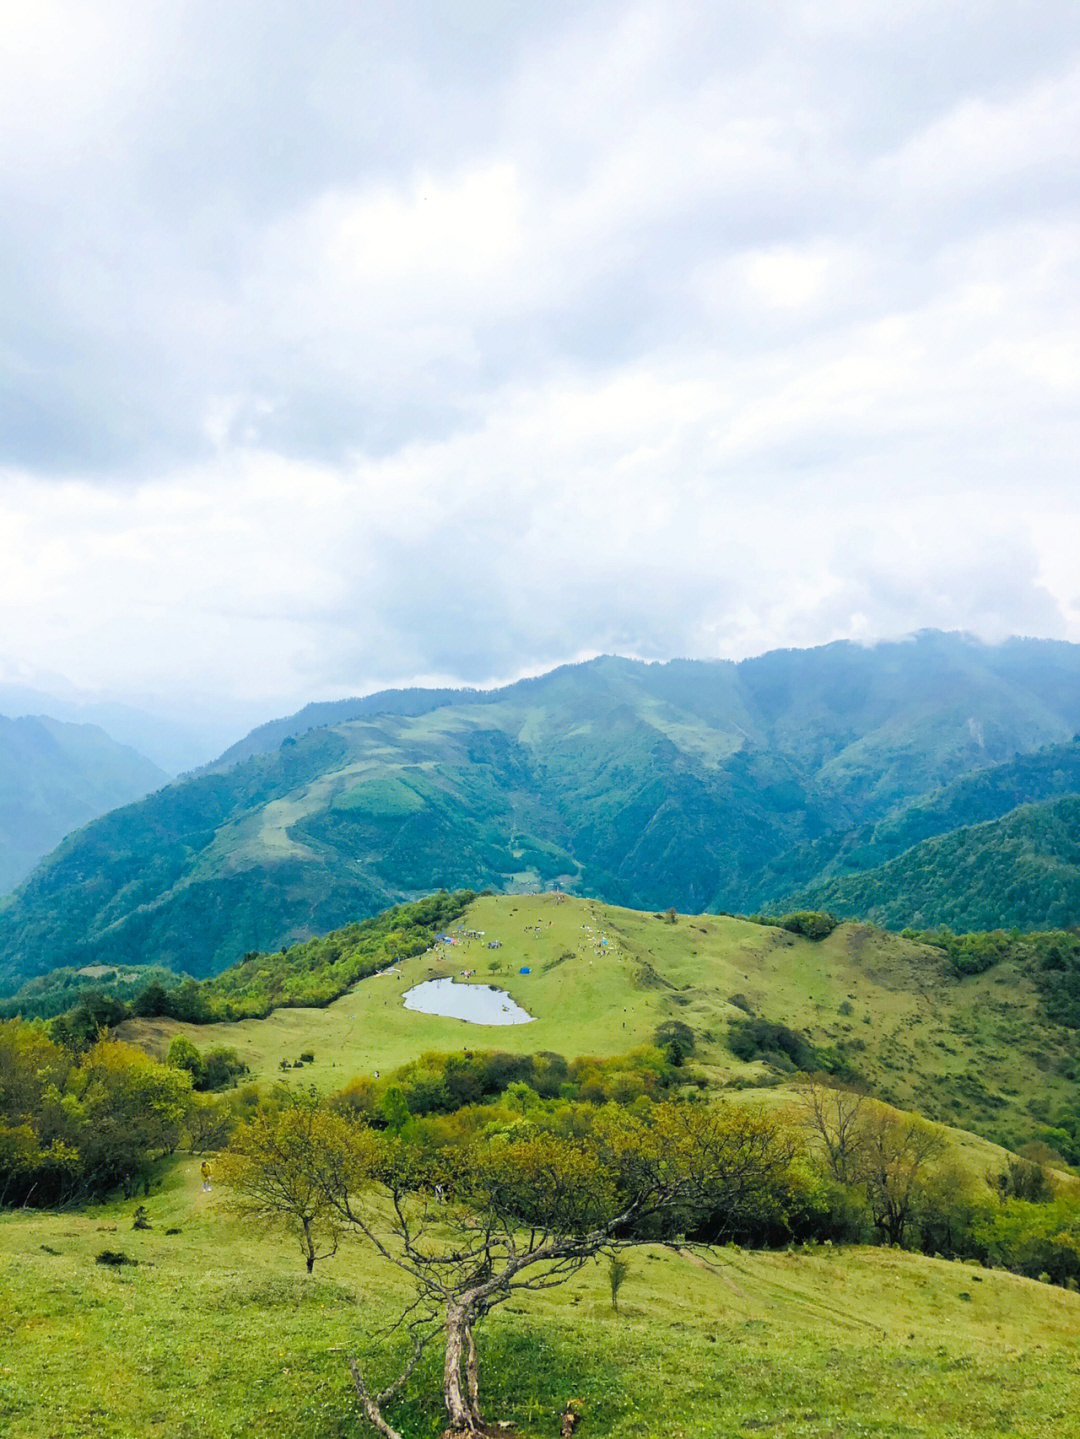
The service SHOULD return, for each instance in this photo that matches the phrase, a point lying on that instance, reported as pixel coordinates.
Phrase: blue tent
(524, 969)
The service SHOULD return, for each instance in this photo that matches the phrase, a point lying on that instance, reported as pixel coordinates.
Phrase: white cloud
(347, 350)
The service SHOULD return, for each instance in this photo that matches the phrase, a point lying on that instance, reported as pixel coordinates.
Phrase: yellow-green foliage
(73, 1125)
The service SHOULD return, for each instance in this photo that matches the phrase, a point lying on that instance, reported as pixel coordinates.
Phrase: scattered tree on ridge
(866, 1144)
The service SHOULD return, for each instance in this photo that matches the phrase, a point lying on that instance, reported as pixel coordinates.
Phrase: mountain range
(841, 776)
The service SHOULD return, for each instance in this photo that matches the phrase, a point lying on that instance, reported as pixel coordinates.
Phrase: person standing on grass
(204, 1170)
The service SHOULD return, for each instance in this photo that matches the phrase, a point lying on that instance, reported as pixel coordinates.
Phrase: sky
(352, 345)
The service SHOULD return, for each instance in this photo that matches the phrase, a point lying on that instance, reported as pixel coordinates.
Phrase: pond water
(476, 1003)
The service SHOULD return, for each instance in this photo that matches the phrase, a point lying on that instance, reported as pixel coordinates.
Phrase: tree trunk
(472, 1376)
(459, 1413)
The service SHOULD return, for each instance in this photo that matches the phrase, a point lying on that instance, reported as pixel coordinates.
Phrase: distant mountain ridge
(54, 777)
(698, 784)
(167, 741)
(265, 738)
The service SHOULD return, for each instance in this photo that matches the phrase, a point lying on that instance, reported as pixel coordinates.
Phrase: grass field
(218, 1332)
(972, 1052)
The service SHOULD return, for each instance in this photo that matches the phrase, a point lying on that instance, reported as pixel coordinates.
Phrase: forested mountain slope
(985, 794)
(645, 784)
(55, 776)
(1024, 866)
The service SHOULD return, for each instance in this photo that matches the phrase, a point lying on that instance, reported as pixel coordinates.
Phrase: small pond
(476, 1003)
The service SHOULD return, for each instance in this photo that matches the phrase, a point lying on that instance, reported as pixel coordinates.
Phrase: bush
(1022, 1179)
(785, 1049)
(750, 1039)
(810, 923)
(676, 1039)
(74, 1126)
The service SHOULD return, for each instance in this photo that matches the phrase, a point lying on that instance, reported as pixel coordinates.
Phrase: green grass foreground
(218, 1332)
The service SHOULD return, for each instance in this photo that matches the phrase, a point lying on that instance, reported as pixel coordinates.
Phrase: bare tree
(526, 1214)
(836, 1117)
(885, 1153)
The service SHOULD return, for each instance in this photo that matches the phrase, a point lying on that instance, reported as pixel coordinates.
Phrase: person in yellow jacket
(204, 1170)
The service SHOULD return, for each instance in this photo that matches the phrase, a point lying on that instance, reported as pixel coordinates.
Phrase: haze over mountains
(703, 785)
(175, 744)
(54, 777)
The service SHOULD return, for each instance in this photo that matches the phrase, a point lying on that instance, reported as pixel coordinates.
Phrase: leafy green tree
(210, 1121)
(273, 1171)
(93, 1015)
(152, 1002)
(676, 1039)
(184, 1055)
(897, 1151)
(394, 1108)
(521, 1096)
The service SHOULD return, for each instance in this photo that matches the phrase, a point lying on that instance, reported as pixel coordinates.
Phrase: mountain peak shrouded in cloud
(460, 340)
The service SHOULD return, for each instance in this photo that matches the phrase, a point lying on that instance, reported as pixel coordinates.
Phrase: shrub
(750, 1039)
(810, 923)
(676, 1039)
(222, 1066)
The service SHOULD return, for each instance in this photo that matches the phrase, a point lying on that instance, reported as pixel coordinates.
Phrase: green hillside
(646, 785)
(1052, 772)
(810, 1343)
(1024, 866)
(55, 777)
(805, 1339)
(979, 1050)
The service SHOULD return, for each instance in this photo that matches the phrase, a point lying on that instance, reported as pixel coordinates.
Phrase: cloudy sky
(348, 344)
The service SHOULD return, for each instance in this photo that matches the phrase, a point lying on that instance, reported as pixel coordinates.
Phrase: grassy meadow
(217, 1331)
(970, 1051)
